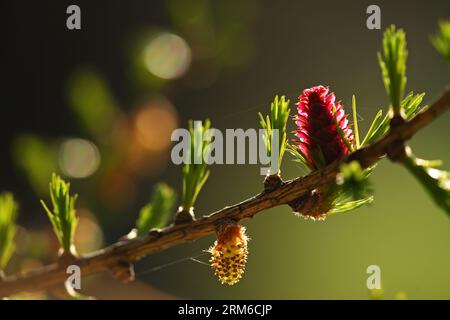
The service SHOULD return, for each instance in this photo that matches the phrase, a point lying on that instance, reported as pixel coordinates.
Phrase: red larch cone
(319, 142)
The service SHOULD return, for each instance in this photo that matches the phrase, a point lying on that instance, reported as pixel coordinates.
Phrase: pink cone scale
(318, 138)
(319, 120)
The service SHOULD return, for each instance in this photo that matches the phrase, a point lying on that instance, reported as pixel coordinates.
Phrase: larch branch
(158, 240)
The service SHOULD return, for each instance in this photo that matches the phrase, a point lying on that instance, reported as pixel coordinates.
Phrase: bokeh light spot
(78, 158)
(167, 56)
(88, 235)
(154, 124)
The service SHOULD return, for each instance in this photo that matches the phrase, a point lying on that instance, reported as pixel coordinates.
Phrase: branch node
(397, 121)
(123, 271)
(272, 182)
(67, 257)
(184, 216)
(155, 233)
(396, 152)
(314, 205)
(225, 222)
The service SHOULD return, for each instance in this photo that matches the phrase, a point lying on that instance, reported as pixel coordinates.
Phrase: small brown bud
(314, 206)
(123, 271)
(272, 182)
(184, 216)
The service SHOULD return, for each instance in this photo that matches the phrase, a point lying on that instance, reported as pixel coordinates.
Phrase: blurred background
(98, 106)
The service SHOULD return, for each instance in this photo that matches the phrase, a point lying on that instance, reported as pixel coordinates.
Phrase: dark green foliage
(62, 217)
(353, 180)
(341, 132)
(299, 157)
(279, 115)
(435, 181)
(157, 213)
(355, 123)
(380, 125)
(352, 189)
(441, 41)
(8, 215)
(393, 65)
(195, 175)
